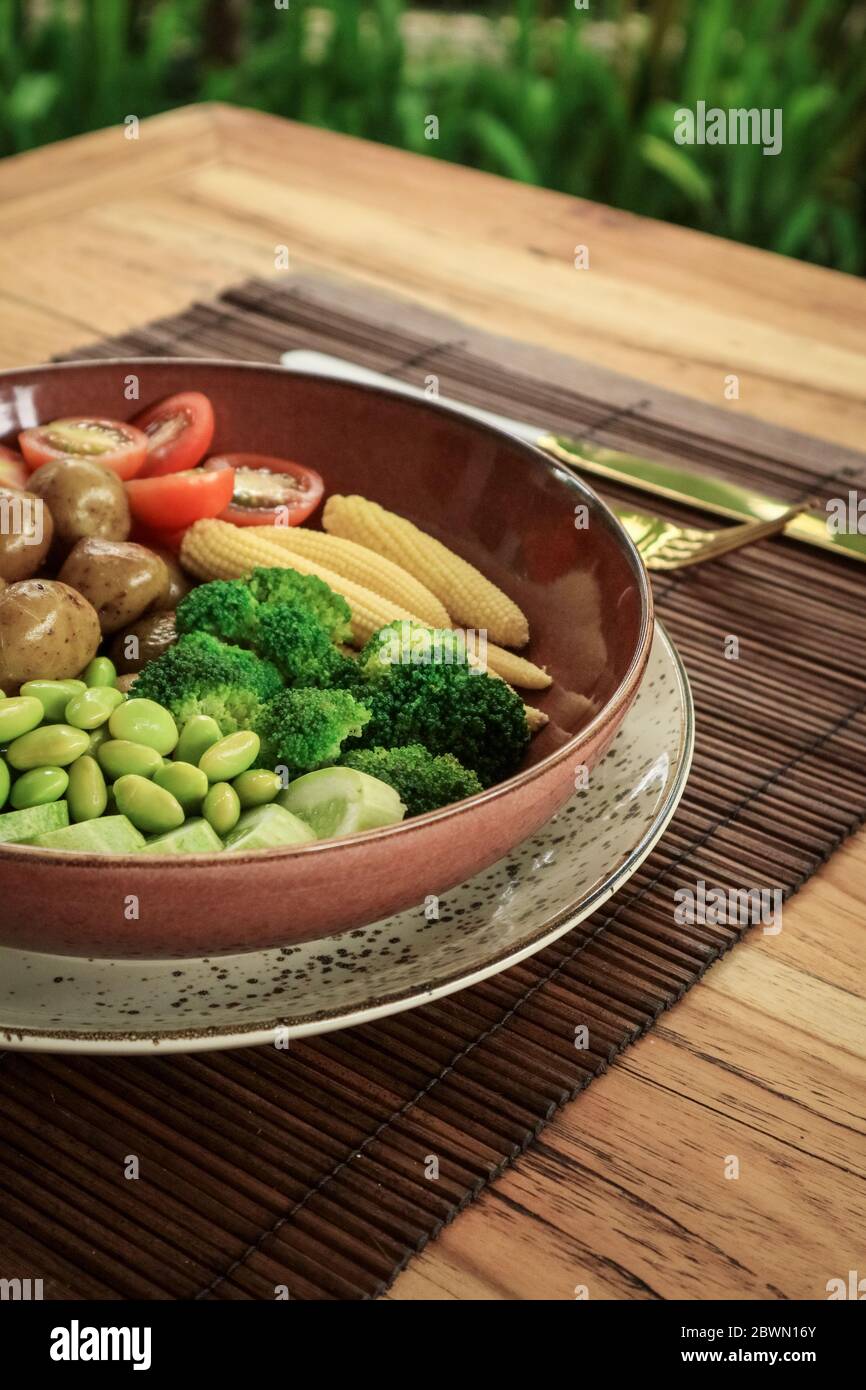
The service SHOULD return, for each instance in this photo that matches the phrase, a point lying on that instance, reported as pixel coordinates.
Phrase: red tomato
(157, 540)
(269, 491)
(115, 445)
(175, 500)
(179, 431)
(13, 469)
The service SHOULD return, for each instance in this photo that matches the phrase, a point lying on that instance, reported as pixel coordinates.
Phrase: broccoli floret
(306, 591)
(421, 780)
(305, 729)
(201, 675)
(406, 643)
(296, 642)
(225, 607)
(449, 709)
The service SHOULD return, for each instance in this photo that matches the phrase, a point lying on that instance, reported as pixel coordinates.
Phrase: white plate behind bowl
(511, 910)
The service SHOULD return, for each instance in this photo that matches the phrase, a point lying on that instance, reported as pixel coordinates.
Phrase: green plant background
(579, 100)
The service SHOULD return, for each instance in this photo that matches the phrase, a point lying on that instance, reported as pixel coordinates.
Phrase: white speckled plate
(542, 889)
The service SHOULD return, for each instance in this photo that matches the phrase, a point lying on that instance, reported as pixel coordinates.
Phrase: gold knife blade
(710, 494)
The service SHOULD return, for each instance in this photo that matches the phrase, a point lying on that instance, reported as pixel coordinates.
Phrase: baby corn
(218, 550)
(363, 566)
(470, 598)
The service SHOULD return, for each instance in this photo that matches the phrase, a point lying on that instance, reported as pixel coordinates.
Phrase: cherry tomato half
(175, 500)
(115, 445)
(13, 469)
(179, 432)
(268, 491)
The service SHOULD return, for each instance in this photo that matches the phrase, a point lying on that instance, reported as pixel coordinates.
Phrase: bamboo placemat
(307, 1169)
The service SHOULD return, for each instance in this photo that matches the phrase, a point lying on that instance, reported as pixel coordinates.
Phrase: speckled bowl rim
(72, 860)
(562, 920)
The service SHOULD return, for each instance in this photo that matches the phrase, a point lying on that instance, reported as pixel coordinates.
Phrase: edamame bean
(197, 735)
(187, 784)
(87, 794)
(230, 757)
(221, 807)
(97, 738)
(256, 787)
(101, 672)
(54, 696)
(5, 780)
(151, 809)
(144, 721)
(118, 757)
(18, 715)
(93, 707)
(38, 787)
(54, 745)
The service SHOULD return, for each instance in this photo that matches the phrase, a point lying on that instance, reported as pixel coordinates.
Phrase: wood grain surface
(625, 1195)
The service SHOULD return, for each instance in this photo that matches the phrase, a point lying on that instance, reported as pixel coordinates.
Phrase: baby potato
(26, 532)
(85, 500)
(46, 630)
(121, 579)
(179, 584)
(144, 641)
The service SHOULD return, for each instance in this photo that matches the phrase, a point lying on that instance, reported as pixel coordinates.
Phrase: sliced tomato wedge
(268, 491)
(174, 501)
(179, 432)
(115, 445)
(13, 469)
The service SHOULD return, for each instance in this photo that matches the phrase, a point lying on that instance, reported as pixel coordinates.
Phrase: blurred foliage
(580, 100)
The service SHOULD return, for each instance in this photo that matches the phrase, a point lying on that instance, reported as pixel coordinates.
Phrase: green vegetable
(423, 780)
(87, 795)
(18, 715)
(256, 787)
(38, 787)
(187, 784)
(288, 618)
(119, 756)
(341, 801)
(267, 827)
(151, 809)
(305, 729)
(221, 807)
(101, 672)
(5, 781)
(21, 827)
(304, 591)
(201, 675)
(195, 837)
(144, 721)
(97, 738)
(299, 646)
(231, 756)
(92, 708)
(54, 696)
(197, 735)
(446, 706)
(54, 745)
(225, 608)
(109, 835)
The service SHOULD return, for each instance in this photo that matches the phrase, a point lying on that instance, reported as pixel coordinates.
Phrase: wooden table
(626, 1191)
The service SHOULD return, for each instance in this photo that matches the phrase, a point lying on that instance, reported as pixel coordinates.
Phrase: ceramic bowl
(500, 503)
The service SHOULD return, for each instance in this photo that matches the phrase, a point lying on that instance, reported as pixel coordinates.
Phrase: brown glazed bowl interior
(503, 505)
